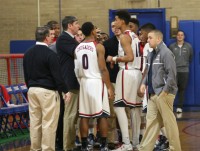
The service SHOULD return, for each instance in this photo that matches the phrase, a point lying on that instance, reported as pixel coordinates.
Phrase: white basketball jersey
(136, 64)
(86, 61)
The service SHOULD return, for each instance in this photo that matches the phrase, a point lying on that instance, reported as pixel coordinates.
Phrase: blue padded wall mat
(20, 46)
(196, 57)
(188, 27)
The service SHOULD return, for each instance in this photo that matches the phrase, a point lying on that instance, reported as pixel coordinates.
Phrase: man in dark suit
(66, 45)
(111, 49)
(43, 78)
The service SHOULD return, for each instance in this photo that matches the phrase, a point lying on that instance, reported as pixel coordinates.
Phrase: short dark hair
(157, 33)
(135, 21)
(180, 31)
(148, 27)
(41, 33)
(50, 28)
(68, 20)
(124, 15)
(87, 28)
(52, 24)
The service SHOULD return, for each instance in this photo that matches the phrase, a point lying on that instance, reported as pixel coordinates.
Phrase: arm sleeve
(55, 68)
(66, 45)
(144, 81)
(170, 70)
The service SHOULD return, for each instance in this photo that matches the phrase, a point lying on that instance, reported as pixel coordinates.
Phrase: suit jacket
(111, 49)
(65, 46)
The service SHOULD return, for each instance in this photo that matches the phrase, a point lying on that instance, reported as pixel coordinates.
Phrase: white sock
(91, 131)
(135, 123)
(92, 122)
(123, 123)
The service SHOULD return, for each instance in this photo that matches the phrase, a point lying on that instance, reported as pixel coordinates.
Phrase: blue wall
(20, 46)
(192, 31)
(154, 16)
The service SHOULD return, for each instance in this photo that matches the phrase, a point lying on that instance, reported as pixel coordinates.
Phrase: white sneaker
(124, 147)
(179, 110)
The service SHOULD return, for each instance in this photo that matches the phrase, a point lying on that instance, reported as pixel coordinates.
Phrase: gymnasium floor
(188, 123)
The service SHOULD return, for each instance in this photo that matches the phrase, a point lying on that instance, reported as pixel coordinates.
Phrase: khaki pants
(70, 120)
(159, 113)
(44, 109)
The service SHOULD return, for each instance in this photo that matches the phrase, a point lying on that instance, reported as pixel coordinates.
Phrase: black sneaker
(161, 140)
(104, 148)
(97, 139)
(111, 146)
(84, 149)
(144, 110)
(77, 141)
(91, 139)
(165, 146)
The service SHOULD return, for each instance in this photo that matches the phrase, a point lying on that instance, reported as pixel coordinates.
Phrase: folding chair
(23, 88)
(20, 108)
(5, 112)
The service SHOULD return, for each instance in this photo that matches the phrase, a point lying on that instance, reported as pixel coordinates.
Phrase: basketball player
(128, 81)
(95, 86)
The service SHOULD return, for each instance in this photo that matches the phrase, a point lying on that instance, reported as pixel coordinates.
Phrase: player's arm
(125, 41)
(76, 68)
(103, 70)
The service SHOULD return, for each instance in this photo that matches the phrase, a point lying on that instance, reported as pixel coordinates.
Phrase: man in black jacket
(43, 77)
(66, 45)
(111, 49)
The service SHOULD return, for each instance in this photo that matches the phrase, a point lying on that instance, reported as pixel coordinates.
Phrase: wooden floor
(189, 127)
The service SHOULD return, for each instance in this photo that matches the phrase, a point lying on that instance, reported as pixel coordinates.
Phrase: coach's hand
(67, 97)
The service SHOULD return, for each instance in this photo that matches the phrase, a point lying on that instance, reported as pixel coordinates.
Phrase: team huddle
(110, 80)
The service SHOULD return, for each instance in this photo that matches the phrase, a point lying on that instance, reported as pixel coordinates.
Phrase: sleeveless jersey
(93, 96)
(136, 64)
(86, 61)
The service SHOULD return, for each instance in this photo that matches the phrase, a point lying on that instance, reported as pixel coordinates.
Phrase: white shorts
(93, 99)
(127, 84)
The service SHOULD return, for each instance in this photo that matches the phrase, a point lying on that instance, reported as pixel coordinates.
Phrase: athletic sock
(103, 142)
(84, 142)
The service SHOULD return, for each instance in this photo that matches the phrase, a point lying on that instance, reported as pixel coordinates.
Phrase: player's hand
(139, 93)
(109, 59)
(67, 97)
(141, 90)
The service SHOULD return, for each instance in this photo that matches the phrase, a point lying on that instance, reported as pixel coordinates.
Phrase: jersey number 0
(85, 61)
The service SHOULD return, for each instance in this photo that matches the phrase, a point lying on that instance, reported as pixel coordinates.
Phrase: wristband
(114, 59)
